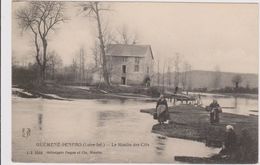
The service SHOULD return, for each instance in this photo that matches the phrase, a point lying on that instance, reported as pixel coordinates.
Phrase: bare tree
(217, 77)
(74, 67)
(94, 9)
(54, 62)
(158, 72)
(82, 64)
(96, 55)
(189, 77)
(124, 36)
(96, 51)
(108, 35)
(184, 75)
(169, 72)
(163, 77)
(40, 17)
(108, 39)
(236, 80)
(177, 70)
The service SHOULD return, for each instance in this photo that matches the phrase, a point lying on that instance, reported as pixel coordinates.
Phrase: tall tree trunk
(37, 54)
(163, 77)
(41, 74)
(158, 73)
(44, 42)
(102, 47)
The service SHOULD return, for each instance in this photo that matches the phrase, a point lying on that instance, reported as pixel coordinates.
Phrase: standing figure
(215, 109)
(198, 100)
(162, 110)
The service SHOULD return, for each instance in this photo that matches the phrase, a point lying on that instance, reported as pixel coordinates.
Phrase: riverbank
(219, 95)
(67, 92)
(190, 122)
(62, 92)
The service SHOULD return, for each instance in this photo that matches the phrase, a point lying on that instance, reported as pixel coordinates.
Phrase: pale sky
(204, 34)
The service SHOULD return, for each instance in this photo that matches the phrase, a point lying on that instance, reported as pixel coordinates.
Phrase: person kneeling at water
(162, 110)
(230, 144)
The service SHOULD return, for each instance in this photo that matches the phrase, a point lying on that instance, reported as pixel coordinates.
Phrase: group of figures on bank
(230, 144)
(162, 113)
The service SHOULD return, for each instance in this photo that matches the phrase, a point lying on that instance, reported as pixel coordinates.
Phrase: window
(123, 68)
(148, 70)
(137, 60)
(136, 68)
(124, 59)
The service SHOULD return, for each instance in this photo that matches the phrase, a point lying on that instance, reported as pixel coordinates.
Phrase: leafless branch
(40, 17)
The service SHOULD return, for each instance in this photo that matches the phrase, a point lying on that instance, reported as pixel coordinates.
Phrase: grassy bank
(81, 92)
(190, 122)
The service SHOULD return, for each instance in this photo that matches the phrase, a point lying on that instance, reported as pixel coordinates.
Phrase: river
(109, 131)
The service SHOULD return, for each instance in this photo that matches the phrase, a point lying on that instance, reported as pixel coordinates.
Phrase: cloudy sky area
(204, 34)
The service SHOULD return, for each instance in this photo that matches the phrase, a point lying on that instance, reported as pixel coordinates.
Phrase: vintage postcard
(134, 82)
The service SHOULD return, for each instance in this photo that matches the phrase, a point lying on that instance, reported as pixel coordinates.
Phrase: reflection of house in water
(130, 64)
(104, 117)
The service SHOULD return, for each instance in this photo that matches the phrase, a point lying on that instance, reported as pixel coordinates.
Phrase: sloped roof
(128, 50)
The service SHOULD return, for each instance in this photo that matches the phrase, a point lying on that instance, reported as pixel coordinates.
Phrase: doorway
(123, 80)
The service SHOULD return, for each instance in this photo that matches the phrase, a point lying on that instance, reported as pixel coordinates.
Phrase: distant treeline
(29, 75)
(72, 75)
(228, 90)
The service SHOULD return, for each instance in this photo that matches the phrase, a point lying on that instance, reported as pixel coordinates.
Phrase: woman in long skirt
(162, 110)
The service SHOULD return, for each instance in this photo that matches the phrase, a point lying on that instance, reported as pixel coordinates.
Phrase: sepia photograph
(134, 82)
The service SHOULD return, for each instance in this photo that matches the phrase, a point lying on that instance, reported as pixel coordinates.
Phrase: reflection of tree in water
(103, 101)
(40, 116)
(122, 101)
(160, 142)
(107, 116)
(107, 101)
(235, 103)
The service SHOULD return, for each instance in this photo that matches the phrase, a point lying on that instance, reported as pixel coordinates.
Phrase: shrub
(153, 91)
(21, 76)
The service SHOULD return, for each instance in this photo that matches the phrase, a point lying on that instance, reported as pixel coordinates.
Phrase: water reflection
(40, 121)
(235, 102)
(234, 105)
(98, 121)
(160, 142)
(122, 101)
(107, 101)
(104, 117)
